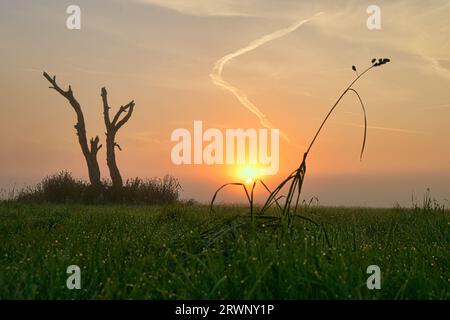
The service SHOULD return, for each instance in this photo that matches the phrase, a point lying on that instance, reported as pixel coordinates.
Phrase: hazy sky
(161, 52)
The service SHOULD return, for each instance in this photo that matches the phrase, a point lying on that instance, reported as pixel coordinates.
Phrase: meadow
(183, 251)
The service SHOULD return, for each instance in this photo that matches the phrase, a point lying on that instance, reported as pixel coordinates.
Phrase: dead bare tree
(89, 152)
(111, 130)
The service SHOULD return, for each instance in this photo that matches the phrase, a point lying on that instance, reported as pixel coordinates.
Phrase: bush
(139, 191)
(63, 188)
(57, 188)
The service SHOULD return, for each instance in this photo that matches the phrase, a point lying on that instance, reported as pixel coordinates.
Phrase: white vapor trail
(217, 78)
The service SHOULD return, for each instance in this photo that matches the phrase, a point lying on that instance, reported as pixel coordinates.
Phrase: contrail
(386, 128)
(217, 78)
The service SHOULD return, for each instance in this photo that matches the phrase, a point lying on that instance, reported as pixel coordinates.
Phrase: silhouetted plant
(249, 194)
(294, 181)
(90, 150)
(63, 188)
(112, 127)
(57, 188)
(150, 191)
(429, 203)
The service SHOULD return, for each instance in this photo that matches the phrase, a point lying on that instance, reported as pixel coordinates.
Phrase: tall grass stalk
(295, 180)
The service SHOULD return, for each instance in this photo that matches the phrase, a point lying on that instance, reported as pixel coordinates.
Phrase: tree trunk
(90, 153)
(111, 130)
(114, 172)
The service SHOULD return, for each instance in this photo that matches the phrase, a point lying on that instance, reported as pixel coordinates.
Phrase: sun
(249, 174)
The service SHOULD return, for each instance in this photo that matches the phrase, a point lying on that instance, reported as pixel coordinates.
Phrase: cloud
(286, 9)
(443, 106)
(217, 78)
(444, 63)
(202, 7)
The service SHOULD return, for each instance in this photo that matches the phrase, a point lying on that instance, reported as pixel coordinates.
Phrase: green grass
(184, 252)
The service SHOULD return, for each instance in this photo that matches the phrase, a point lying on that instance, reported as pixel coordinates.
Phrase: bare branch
(90, 154)
(68, 95)
(95, 145)
(111, 130)
(105, 107)
(123, 109)
(56, 87)
(116, 117)
(127, 117)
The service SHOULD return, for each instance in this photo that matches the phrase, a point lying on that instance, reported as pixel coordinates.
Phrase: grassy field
(182, 251)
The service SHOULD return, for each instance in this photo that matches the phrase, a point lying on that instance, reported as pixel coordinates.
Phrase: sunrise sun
(249, 174)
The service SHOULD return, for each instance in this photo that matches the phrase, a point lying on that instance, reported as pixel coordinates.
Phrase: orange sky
(161, 53)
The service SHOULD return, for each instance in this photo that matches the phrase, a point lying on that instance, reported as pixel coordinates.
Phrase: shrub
(57, 188)
(63, 188)
(149, 191)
